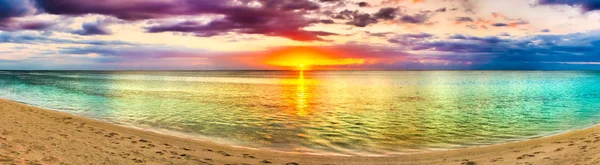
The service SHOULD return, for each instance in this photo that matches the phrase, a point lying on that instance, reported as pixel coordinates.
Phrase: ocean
(324, 112)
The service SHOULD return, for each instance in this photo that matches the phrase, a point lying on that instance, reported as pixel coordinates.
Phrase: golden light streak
(301, 96)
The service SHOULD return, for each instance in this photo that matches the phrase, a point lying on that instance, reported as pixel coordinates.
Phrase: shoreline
(201, 138)
(34, 135)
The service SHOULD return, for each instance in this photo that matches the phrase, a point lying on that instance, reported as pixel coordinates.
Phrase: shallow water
(346, 112)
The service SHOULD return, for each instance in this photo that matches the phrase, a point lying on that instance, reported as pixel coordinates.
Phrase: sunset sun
(309, 58)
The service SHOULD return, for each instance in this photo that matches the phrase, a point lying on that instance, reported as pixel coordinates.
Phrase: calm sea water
(344, 112)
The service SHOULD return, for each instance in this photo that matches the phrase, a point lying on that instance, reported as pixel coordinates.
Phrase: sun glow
(307, 58)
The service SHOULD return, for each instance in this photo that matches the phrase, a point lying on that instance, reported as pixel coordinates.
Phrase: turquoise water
(345, 112)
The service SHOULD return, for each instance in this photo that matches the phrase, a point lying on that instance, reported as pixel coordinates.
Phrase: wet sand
(30, 135)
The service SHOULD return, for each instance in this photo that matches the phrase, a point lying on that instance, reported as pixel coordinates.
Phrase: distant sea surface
(344, 112)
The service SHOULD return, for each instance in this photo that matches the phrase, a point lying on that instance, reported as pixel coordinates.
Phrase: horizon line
(192, 70)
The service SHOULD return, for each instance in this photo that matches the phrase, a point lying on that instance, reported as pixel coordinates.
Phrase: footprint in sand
(223, 153)
(469, 163)
(525, 156)
(266, 162)
(248, 156)
(137, 160)
(292, 163)
(110, 135)
(497, 159)
(5, 132)
(49, 159)
(559, 149)
(166, 145)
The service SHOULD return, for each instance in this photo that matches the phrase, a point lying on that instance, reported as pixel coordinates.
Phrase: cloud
(419, 18)
(329, 1)
(363, 4)
(130, 10)
(586, 5)
(359, 19)
(428, 51)
(282, 18)
(495, 52)
(37, 38)
(387, 13)
(96, 28)
(499, 24)
(246, 25)
(463, 19)
(410, 39)
(356, 18)
(93, 29)
(132, 53)
(15, 8)
(15, 25)
(10, 9)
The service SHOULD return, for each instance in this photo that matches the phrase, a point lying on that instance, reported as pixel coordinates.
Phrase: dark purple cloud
(93, 29)
(250, 21)
(360, 19)
(15, 8)
(363, 4)
(10, 9)
(586, 5)
(387, 13)
(98, 27)
(25, 25)
(463, 19)
(356, 18)
(499, 24)
(283, 18)
(419, 18)
(329, 1)
(131, 9)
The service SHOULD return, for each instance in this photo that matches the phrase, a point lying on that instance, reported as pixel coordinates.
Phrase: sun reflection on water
(301, 95)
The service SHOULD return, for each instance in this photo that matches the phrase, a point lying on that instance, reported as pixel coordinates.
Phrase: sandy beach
(30, 135)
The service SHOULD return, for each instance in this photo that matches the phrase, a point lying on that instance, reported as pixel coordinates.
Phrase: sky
(299, 34)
